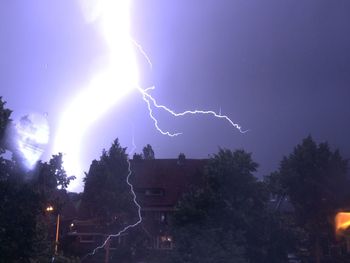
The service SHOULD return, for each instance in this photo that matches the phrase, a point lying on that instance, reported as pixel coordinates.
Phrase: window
(87, 239)
(164, 242)
(163, 218)
(154, 192)
(273, 197)
(116, 241)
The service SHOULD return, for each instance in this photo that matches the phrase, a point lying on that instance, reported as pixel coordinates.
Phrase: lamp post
(51, 209)
(57, 232)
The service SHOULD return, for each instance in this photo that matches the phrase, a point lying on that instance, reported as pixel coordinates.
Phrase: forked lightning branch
(107, 87)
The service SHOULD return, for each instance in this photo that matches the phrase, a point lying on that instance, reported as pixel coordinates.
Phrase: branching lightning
(148, 99)
(107, 88)
(110, 85)
(143, 52)
(139, 220)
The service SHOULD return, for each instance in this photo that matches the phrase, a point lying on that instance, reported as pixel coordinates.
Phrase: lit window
(165, 242)
(163, 217)
(273, 198)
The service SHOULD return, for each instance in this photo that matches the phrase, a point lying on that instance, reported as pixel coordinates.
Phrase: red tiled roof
(167, 175)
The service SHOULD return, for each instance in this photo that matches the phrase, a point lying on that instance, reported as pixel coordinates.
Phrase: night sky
(280, 68)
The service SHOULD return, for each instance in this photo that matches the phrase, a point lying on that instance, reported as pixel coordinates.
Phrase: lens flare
(31, 135)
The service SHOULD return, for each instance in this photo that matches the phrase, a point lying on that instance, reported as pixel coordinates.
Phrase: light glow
(342, 222)
(107, 88)
(49, 208)
(119, 78)
(31, 135)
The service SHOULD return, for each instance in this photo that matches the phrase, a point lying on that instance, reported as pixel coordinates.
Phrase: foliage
(223, 221)
(50, 176)
(314, 178)
(106, 194)
(148, 153)
(19, 208)
(56, 168)
(4, 121)
(181, 158)
(133, 248)
(137, 156)
(108, 198)
(23, 198)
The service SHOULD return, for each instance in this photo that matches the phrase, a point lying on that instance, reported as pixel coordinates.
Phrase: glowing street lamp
(51, 209)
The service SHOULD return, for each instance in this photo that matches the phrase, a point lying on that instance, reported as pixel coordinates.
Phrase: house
(158, 185)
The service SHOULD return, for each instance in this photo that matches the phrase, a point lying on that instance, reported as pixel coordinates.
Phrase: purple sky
(279, 68)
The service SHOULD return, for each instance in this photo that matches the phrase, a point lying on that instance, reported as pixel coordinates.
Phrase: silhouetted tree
(24, 226)
(148, 153)
(106, 193)
(24, 196)
(19, 206)
(137, 156)
(181, 159)
(315, 180)
(223, 221)
(283, 232)
(108, 197)
(56, 168)
(4, 121)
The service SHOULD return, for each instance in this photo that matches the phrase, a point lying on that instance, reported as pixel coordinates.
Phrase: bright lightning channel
(119, 78)
(106, 88)
(109, 86)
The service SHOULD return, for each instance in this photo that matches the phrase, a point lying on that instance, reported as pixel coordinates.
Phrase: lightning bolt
(127, 227)
(148, 99)
(108, 87)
